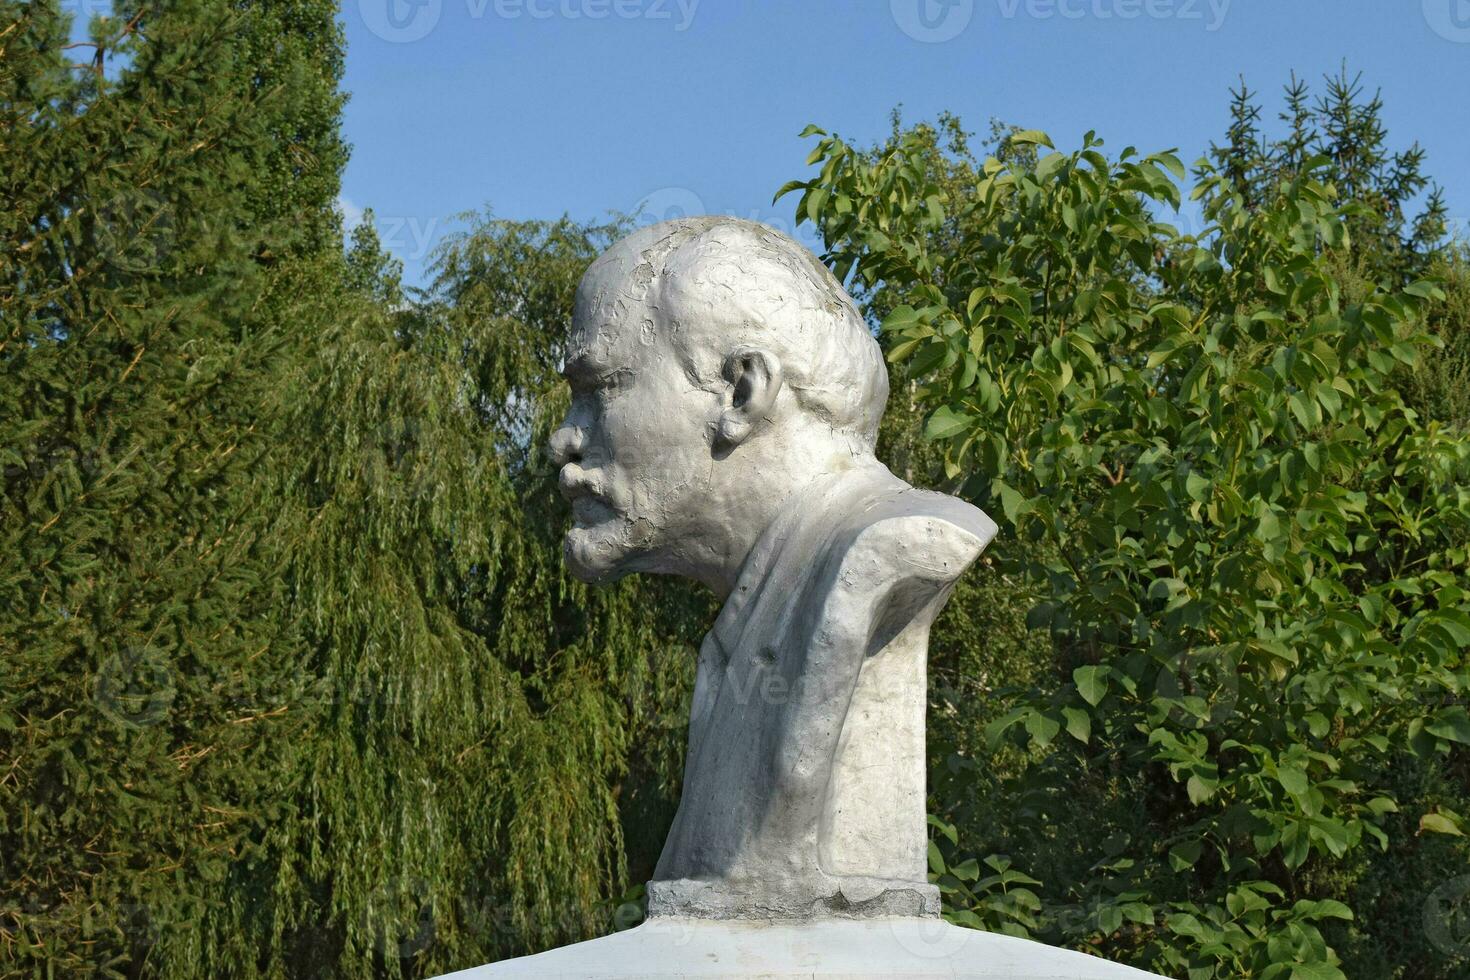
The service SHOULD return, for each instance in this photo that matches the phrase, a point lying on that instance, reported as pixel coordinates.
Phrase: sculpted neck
(751, 487)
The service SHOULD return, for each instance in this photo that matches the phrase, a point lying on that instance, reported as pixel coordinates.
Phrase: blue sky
(539, 107)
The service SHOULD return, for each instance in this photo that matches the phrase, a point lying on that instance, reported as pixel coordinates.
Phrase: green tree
(1250, 550)
(500, 746)
(151, 262)
(1395, 214)
(1376, 188)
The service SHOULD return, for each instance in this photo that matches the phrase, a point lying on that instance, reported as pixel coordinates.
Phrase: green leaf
(1040, 615)
(901, 317)
(903, 350)
(1199, 788)
(1316, 971)
(946, 423)
(1026, 137)
(995, 729)
(1163, 352)
(972, 367)
(1012, 503)
(788, 187)
(1295, 844)
(816, 199)
(1269, 528)
(1197, 486)
(1326, 908)
(1092, 683)
(1042, 728)
(1293, 780)
(945, 828)
(1079, 725)
(1438, 823)
(1172, 164)
(1425, 289)
(1382, 804)
(1183, 856)
(1454, 622)
(1451, 723)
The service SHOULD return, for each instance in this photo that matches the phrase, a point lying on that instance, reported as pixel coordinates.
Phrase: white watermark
(400, 21)
(1210, 13)
(670, 203)
(932, 21)
(679, 12)
(1447, 917)
(409, 236)
(85, 10)
(406, 236)
(1450, 19)
(403, 21)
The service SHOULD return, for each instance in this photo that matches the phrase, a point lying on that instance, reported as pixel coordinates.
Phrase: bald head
(712, 285)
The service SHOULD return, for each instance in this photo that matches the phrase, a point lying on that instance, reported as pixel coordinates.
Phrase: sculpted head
(716, 366)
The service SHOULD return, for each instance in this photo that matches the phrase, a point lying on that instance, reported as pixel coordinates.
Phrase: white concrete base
(887, 947)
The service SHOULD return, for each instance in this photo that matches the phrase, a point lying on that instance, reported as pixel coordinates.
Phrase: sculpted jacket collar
(795, 721)
(781, 560)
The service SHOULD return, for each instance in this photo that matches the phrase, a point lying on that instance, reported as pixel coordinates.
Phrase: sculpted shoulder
(919, 532)
(897, 560)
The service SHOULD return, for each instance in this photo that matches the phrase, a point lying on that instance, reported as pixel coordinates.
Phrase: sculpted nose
(566, 445)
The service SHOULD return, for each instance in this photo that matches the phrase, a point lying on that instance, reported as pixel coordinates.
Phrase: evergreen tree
(1379, 189)
(150, 264)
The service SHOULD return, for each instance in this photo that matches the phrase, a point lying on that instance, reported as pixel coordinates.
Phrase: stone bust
(726, 396)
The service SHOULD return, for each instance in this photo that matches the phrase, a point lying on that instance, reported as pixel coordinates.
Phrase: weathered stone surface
(854, 897)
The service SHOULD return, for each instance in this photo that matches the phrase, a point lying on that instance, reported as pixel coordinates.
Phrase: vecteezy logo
(932, 21)
(135, 687)
(1450, 19)
(135, 231)
(400, 919)
(1447, 917)
(400, 21)
(1200, 687)
(930, 939)
(666, 204)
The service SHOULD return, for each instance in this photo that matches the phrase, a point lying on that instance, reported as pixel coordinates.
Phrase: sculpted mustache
(581, 487)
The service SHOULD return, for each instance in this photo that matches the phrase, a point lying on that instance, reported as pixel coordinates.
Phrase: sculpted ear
(754, 375)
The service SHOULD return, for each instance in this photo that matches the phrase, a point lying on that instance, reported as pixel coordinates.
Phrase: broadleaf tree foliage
(1247, 548)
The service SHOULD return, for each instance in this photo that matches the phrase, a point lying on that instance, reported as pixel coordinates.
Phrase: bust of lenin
(726, 396)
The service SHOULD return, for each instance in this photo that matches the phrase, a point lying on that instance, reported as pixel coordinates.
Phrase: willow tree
(496, 748)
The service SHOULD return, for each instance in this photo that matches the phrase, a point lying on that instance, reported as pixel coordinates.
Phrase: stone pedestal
(901, 946)
(851, 897)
